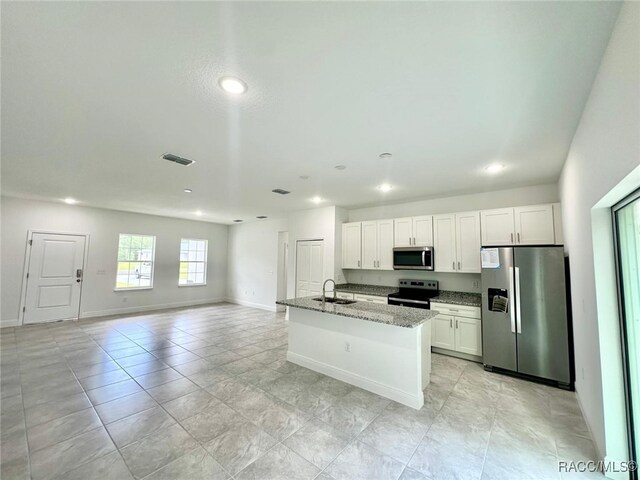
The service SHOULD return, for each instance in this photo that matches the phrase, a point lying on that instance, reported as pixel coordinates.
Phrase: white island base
(392, 361)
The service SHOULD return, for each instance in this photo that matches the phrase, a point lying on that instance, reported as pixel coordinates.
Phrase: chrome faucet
(324, 285)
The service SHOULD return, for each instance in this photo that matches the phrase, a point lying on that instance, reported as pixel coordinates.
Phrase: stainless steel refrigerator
(524, 312)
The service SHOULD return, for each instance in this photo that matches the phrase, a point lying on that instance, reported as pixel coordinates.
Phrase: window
(135, 261)
(193, 262)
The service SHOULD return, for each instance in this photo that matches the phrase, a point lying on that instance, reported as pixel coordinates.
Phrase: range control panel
(423, 284)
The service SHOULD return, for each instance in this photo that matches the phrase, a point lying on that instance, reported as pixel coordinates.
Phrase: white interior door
(309, 267)
(54, 277)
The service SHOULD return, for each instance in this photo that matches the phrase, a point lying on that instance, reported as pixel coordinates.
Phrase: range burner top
(414, 293)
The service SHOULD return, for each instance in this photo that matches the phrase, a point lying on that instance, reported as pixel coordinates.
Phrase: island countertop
(374, 312)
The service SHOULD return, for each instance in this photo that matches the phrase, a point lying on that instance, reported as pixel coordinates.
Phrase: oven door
(413, 258)
(407, 302)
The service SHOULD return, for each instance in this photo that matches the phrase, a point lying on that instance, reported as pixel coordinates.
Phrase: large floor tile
(63, 428)
(134, 427)
(195, 465)
(359, 461)
(317, 442)
(279, 463)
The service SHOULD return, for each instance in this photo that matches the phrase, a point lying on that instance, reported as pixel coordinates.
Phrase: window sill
(130, 289)
(193, 285)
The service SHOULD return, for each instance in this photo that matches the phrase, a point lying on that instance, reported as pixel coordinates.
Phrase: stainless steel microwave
(413, 258)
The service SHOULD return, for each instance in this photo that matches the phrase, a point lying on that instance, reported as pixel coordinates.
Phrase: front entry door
(54, 278)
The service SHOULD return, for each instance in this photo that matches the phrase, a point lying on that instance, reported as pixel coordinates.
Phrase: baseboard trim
(600, 455)
(386, 391)
(149, 308)
(246, 303)
(9, 322)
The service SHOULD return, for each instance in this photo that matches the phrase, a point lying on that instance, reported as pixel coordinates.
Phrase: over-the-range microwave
(413, 258)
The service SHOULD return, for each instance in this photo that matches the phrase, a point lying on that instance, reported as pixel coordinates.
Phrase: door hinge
(30, 242)
(27, 274)
(24, 309)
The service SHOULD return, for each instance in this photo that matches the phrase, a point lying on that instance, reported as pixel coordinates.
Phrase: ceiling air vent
(179, 160)
(261, 217)
(280, 191)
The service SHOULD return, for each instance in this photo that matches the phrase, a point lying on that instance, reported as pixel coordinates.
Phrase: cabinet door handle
(458, 265)
(518, 237)
(456, 323)
(358, 263)
(512, 238)
(451, 323)
(453, 265)
(414, 241)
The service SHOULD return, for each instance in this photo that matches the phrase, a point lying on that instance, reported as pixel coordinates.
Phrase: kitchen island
(385, 349)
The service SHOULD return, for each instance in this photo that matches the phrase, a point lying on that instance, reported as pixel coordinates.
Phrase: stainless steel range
(414, 293)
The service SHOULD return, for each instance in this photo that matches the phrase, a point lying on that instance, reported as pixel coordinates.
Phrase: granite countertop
(373, 312)
(379, 290)
(459, 298)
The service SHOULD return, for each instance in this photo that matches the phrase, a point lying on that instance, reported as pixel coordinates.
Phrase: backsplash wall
(460, 282)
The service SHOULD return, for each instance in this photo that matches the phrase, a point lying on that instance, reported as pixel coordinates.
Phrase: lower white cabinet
(369, 298)
(457, 328)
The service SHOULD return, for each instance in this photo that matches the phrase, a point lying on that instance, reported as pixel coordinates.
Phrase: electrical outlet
(476, 284)
(347, 347)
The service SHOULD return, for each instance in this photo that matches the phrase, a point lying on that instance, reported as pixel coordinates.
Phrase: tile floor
(207, 393)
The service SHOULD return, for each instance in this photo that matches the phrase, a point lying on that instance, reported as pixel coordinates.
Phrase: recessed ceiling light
(198, 213)
(232, 85)
(494, 168)
(187, 190)
(70, 201)
(261, 217)
(385, 187)
(317, 199)
(340, 167)
(385, 155)
(237, 221)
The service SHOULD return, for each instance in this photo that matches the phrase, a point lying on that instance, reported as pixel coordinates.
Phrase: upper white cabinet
(444, 243)
(368, 245)
(351, 245)
(534, 225)
(468, 242)
(498, 226)
(529, 225)
(557, 223)
(456, 239)
(413, 231)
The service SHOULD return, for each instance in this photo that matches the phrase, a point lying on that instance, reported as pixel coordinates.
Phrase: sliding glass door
(627, 229)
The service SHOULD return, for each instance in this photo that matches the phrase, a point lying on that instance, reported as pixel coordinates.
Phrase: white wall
(253, 263)
(104, 227)
(462, 282)
(460, 203)
(605, 149)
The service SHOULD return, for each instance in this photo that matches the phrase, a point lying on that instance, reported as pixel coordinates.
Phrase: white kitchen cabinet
(344, 295)
(377, 245)
(423, 231)
(498, 227)
(351, 245)
(444, 242)
(468, 335)
(456, 242)
(413, 231)
(369, 298)
(369, 244)
(467, 242)
(403, 232)
(457, 328)
(442, 332)
(385, 244)
(557, 224)
(534, 225)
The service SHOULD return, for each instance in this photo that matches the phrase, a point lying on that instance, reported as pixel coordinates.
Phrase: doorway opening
(626, 219)
(53, 277)
(283, 261)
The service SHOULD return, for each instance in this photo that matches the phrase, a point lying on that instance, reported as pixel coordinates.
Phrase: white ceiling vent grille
(280, 191)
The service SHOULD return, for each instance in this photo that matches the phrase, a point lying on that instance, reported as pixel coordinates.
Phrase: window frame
(205, 262)
(153, 263)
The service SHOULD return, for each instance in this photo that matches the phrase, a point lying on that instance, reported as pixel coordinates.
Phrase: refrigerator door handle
(512, 310)
(518, 317)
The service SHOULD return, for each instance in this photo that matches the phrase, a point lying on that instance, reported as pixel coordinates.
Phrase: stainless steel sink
(337, 301)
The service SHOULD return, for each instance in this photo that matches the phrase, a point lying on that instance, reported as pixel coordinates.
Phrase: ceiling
(94, 93)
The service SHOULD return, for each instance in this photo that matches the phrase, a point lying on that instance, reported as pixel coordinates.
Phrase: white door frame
(27, 260)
